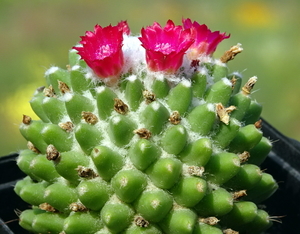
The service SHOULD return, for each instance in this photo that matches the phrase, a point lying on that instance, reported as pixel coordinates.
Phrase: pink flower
(206, 41)
(102, 50)
(124, 27)
(166, 46)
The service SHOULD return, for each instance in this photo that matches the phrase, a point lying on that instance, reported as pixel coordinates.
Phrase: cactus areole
(145, 134)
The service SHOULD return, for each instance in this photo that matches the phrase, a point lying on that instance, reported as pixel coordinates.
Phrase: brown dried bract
(89, 117)
(31, 146)
(143, 133)
(175, 118)
(47, 207)
(249, 85)
(196, 171)
(120, 106)
(258, 124)
(230, 231)
(86, 172)
(239, 194)
(233, 81)
(231, 53)
(149, 96)
(141, 222)
(63, 87)
(49, 92)
(68, 66)
(209, 220)
(52, 153)
(77, 206)
(244, 156)
(26, 119)
(223, 113)
(67, 126)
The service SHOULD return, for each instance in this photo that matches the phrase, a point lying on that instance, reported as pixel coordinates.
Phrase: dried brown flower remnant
(120, 106)
(249, 85)
(143, 133)
(89, 117)
(77, 206)
(196, 171)
(31, 146)
(86, 172)
(239, 194)
(149, 96)
(244, 156)
(141, 222)
(230, 231)
(258, 124)
(52, 153)
(175, 118)
(209, 220)
(49, 92)
(26, 119)
(233, 81)
(47, 207)
(231, 53)
(223, 113)
(67, 126)
(63, 87)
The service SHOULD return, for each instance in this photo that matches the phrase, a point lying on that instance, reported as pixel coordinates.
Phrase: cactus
(146, 134)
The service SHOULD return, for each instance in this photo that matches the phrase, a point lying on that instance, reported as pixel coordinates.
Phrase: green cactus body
(150, 154)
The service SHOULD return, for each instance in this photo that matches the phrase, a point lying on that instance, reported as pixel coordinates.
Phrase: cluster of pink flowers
(164, 46)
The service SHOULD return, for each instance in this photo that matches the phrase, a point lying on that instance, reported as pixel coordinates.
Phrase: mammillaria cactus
(145, 134)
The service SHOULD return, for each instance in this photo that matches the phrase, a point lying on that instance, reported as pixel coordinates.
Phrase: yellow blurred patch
(255, 14)
(17, 104)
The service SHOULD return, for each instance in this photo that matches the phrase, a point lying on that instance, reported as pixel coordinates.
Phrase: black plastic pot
(9, 201)
(283, 163)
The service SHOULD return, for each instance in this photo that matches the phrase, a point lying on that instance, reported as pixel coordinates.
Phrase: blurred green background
(37, 34)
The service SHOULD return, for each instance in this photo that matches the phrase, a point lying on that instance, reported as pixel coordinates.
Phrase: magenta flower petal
(102, 50)
(206, 41)
(166, 46)
(124, 27)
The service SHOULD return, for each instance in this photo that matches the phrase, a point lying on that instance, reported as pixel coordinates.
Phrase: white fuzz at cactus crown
(51, 70)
